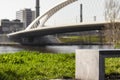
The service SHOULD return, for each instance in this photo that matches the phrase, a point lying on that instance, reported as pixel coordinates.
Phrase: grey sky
(69, 14)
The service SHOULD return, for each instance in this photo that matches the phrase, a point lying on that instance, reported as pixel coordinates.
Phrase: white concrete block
(87, 64)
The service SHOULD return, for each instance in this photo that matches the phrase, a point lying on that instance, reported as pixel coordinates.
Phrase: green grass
(86, 38)
(26, 65)
(112, 65)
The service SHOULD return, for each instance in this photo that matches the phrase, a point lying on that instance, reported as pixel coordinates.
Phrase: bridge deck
(57, 29)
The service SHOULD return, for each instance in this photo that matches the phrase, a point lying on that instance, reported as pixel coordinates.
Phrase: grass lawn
(86, 38)
(112, 68)
(26, 65)
(112, 65)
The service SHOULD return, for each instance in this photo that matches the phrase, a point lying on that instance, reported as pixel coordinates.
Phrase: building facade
(26, 16)
(7, 26)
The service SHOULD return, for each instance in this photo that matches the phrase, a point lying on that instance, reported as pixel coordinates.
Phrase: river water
(53, 49)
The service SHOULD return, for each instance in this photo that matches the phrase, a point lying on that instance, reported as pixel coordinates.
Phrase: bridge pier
(39, 40)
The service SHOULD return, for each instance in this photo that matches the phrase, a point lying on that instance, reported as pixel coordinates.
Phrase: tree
(112, 17)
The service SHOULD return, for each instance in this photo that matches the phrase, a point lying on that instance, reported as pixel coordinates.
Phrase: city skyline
(70, 14)
(26, 16)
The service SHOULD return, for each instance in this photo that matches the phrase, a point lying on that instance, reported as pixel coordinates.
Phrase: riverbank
(36, 66)
(9, 44)
(32, 65)
(5, 41)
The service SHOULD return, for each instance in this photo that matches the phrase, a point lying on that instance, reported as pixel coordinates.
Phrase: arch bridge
(37, 33)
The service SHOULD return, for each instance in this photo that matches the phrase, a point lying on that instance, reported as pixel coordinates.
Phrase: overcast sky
(69, 14)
